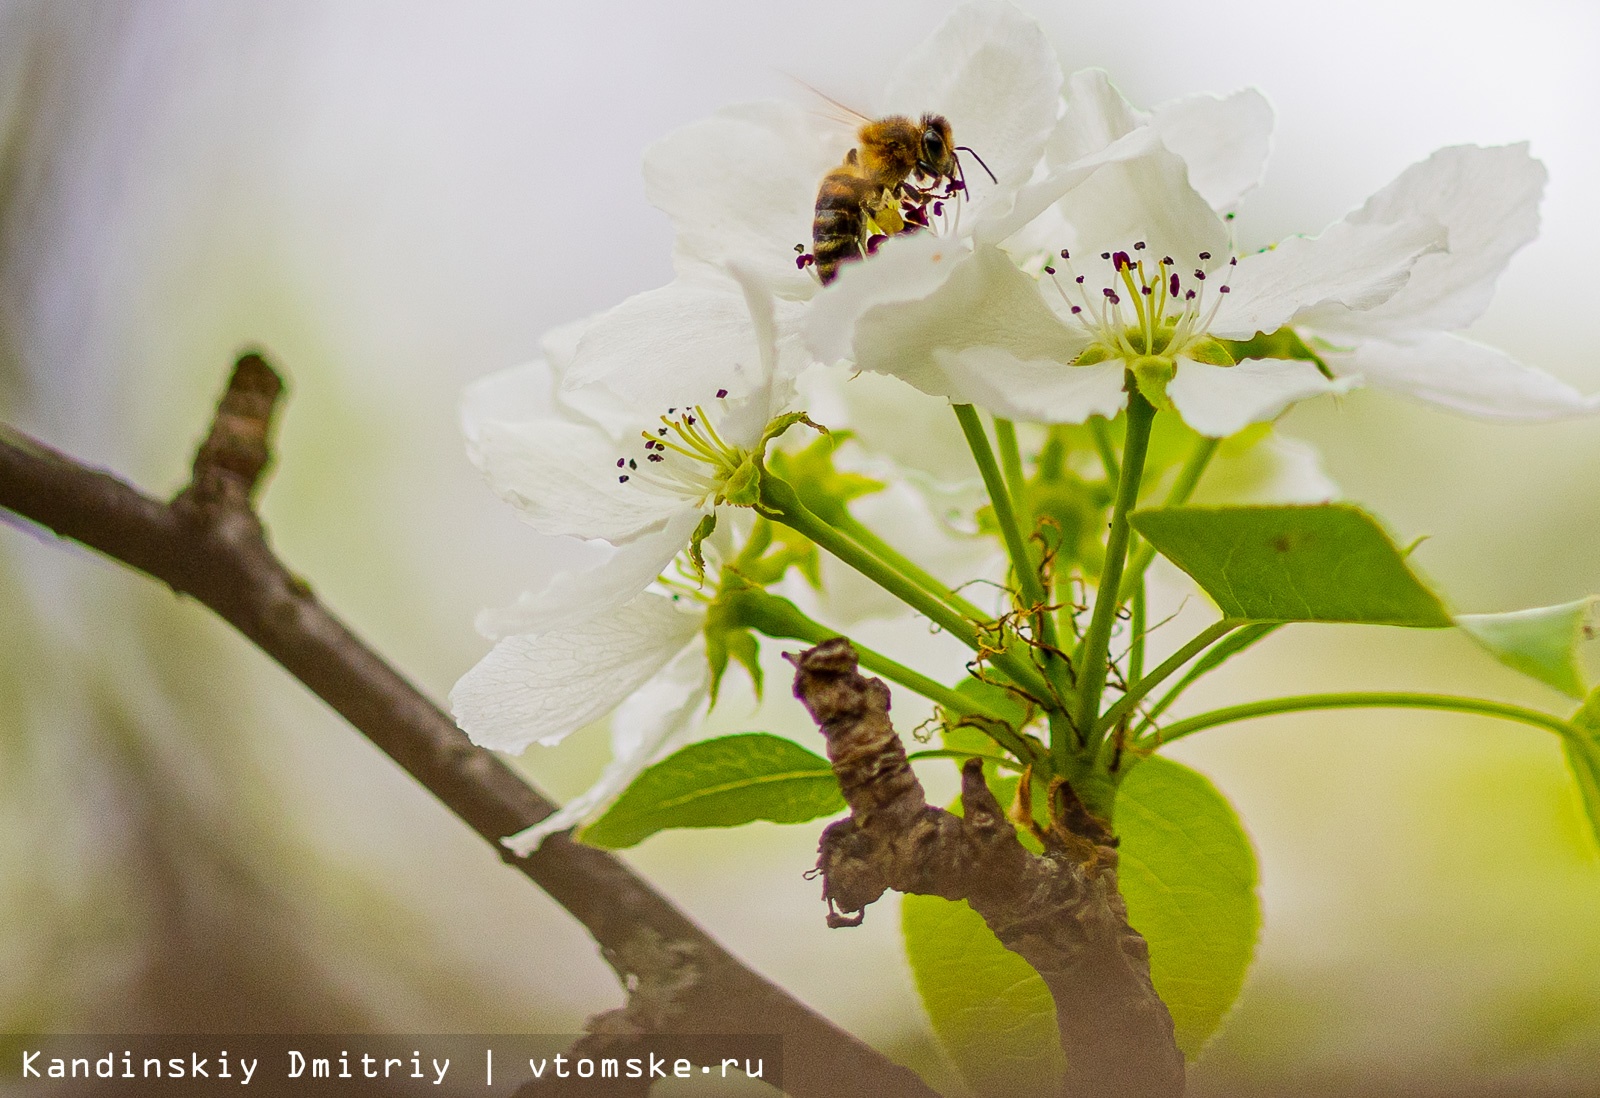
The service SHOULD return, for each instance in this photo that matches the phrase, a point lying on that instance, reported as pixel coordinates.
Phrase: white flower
(657, 716)
(1146, 281)
(742, 186)
(571, 442)
(1488, 201)
(657, 415)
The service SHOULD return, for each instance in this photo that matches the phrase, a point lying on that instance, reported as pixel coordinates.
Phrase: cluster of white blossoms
(1101, 250)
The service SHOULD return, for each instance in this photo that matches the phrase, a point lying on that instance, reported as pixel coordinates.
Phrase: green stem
(778, 617)
(1140, 687)
(1005, 515)
(1182, 488)
(1136, 625)
(872, 543)
(1097, 641)
(1375, 700)
(780, 503)
(946, 753)
(1005, 434)
(1235, 644)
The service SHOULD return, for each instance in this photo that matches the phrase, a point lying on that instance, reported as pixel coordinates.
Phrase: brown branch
(209, 544)
(1060, 911)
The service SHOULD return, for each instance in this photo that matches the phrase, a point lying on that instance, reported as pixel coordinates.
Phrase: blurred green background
(393, 198)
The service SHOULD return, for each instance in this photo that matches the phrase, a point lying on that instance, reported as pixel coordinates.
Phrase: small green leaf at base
(1188, 874)
(990, 1010)
(1542, 643)
(1324, 562)
(723, 782)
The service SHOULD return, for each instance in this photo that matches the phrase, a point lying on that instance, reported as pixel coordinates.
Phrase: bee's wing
(836, 111)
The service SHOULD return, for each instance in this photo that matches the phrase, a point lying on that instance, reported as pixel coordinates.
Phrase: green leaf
(721, 783)
(1327, 562)
(1188, 874)
(1583, 756)
(989, 1008)
(1541, 643)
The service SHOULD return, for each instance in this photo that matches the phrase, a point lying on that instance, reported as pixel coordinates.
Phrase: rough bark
(209, 544)
(1060, 911)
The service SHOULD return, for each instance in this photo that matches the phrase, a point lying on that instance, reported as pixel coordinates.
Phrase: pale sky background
(395, 198)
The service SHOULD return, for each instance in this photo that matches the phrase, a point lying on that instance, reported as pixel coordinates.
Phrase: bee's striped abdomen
(836, 230)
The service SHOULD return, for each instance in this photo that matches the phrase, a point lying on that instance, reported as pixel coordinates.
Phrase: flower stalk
(1096, 644)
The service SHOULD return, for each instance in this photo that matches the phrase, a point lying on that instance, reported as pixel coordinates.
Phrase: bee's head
(937, 155)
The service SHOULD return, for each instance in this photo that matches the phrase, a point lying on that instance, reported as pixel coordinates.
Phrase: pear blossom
(741, 186)
(1487, 199)
(1148, 281)
(659, 413)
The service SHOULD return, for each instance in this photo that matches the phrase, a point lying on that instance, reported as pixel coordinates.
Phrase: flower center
(685, 456)
(1143, 307)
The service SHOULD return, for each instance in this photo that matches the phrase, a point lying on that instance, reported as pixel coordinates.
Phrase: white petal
(1042, 391)
(657, 714)
(1220, 400)
(610, 576)
(1097, 115)
(1223, 141)
(560, 344)
(1488, 200)
(521, 392)
(1348, 267)
(1036, 196)
(1145, 198)
(562, 478)
(905, 269)
(742, 185)
(983, 301)
(992, 73)
(543, 687)
(672, 346)
(1467, 377)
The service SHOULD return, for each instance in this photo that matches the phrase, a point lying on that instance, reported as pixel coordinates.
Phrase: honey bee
(900, 172)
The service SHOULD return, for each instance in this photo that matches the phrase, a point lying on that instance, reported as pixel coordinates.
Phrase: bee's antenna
(979, 159)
